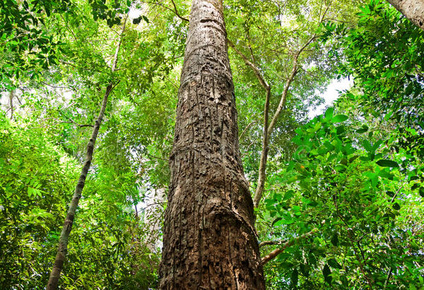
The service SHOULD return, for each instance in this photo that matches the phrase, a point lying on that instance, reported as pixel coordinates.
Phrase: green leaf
(351, 159)
(340, 118)
(367, 145)
(390, 193)
(333, 263)
(296, 210)
(327, 274)
(294, 278)
(341, 130)
(376, 145)
(422, 191)
(335, 240)
(275, 222)
(329, 113)
(317, 126)
(362, 130)
(364, 158)
(289, 194)
(412, 178)
(385, 174)
(287, 221)
(34, 192)
(396, 206)
(137, 20)
(387, 163)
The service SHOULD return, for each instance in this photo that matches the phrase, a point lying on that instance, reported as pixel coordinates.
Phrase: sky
(331, 94)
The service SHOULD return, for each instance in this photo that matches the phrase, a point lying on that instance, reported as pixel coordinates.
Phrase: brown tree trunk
(412, 9)
(209, 236)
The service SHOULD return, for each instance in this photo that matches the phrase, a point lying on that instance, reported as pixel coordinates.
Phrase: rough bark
(411, 9)
(67, 227)
(209, 236)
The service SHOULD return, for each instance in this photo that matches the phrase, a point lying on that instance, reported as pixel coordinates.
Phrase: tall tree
(209, 235)
(67, 226)
(412, 9)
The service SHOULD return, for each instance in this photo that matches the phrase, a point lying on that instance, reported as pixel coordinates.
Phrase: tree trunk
(69, 220)
(11, 96)
(62, 250)
(209, 236)
(412, 9)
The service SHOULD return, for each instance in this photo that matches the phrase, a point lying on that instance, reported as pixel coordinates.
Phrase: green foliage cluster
(110, 244)
(364, 199)
(34, 175)
(384, 55)
(115, 236)
(24, 45)
(357, 175)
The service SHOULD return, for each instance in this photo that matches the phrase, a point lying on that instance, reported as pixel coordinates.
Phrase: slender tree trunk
(264, 155)
(11, 96)
(67, 227)
(209, 236)
(412, 9)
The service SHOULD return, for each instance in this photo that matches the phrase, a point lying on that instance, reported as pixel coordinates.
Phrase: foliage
(61, 104)
(357, 175)
(365, 201)
(36, 179)
(29, 45)
(34, 176)
(384, 55)
(25, 46)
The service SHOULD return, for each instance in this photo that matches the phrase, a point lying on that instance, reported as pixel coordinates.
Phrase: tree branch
(176, 12)
(265, 140)
(290, 79)
(270, 243)
(245, 129)
(264, 155)
(257, 72)
(172, 10)
(269, 128)
(388, 278)
(276, 252)
(78, 125)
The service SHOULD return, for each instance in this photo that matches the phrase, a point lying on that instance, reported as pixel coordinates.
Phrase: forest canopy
(89, 91)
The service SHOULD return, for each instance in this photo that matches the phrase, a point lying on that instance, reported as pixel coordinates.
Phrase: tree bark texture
(209, 236)
(412, 9)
